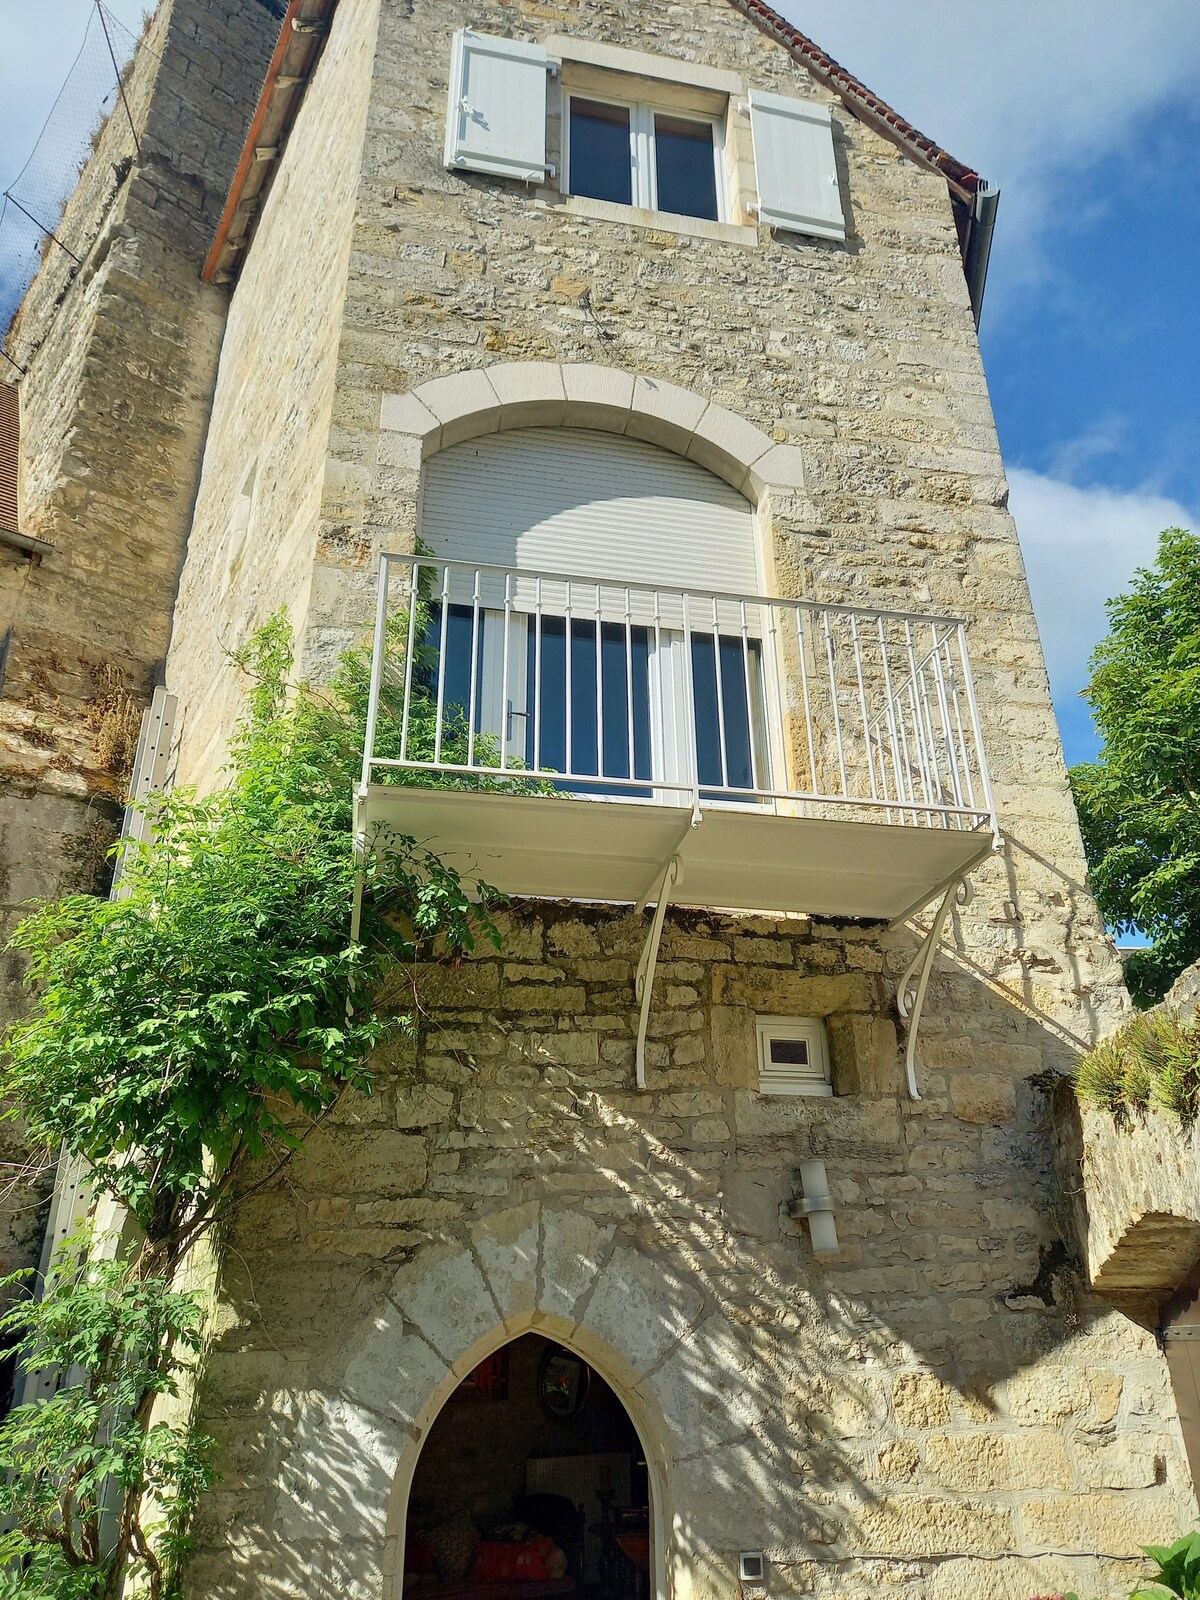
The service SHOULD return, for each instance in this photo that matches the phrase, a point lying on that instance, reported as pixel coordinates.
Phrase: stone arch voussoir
(551, 394)
(528, 1269)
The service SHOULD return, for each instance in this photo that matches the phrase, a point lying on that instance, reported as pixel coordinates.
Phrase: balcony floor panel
(577, 849)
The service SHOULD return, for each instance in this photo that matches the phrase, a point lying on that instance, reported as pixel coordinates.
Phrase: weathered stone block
(981, 1463)
(531, 393)
(983, 1097)
(573, 1251)
(641, 1306)
(921, 1400)
(600, 397)
(919, 1525)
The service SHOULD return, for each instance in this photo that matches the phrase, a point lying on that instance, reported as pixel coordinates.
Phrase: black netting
(32, 218)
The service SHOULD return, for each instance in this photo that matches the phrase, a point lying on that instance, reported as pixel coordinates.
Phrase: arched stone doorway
(551, 1272)
(532, 1482)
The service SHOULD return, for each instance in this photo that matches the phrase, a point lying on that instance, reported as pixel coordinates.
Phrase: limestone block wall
(1134, 1189)
(940, 1412)
(863, 356)
(120, 357)
(258, 507)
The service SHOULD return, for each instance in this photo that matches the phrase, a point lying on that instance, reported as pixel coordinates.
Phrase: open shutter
(496, 119)
(795, 165)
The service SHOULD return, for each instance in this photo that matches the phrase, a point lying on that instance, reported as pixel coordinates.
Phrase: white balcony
(572, 738)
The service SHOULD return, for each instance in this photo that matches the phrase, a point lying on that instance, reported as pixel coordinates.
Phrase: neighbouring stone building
(116, 342)
(659, 298)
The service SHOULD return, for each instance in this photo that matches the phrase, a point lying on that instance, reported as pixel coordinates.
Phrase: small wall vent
(752, 1567)
(793, 1056)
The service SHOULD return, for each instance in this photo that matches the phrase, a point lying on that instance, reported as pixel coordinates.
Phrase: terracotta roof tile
(865, 104)
(10, 441)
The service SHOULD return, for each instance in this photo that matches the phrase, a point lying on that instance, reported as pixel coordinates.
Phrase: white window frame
(670, 707)
(643, 166)
(775, 1080)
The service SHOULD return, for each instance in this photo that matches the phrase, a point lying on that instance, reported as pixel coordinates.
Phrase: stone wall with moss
(1133, 1187)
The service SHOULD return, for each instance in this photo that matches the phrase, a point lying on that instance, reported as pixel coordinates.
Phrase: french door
(606, 708)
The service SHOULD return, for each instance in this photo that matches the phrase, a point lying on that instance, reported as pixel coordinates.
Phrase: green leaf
(1139, 802)
(183, 1032)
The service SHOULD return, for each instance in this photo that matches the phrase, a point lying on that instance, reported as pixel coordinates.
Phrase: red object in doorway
(532, 1561)
(637, 1547)
(489, 1381)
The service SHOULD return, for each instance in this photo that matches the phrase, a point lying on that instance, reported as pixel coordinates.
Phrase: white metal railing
(537, 682)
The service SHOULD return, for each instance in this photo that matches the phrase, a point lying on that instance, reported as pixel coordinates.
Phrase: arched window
(590, 624)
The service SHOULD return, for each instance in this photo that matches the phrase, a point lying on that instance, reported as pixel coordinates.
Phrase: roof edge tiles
(963, 180)
(306, 22)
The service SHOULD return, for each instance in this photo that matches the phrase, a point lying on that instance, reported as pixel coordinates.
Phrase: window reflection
(601, 165)
(687, 179)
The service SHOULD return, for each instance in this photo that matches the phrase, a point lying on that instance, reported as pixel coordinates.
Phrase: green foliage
(1153, 1061)
(187, 1022)
(1139, 803)
(1178, 1570)
(183, 1038)
(122, 1341)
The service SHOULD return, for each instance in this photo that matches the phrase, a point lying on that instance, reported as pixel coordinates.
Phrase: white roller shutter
(496, 118)
(574, 501)
(795, 165)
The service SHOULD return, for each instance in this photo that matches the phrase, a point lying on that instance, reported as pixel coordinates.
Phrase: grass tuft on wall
(1153, 1062)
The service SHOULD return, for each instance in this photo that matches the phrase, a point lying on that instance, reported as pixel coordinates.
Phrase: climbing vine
(183, 1038)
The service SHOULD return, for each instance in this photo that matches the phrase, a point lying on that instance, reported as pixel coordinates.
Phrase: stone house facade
(939, 1408)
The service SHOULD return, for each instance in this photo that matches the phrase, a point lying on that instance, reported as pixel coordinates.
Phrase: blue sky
(1084, 112)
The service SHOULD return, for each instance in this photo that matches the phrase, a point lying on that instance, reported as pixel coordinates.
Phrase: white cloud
(1081, 548)
(1072, 459)
(1031, 94)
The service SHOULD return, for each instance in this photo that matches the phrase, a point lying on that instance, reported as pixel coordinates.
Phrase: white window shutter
(496, 119)
(795, 165)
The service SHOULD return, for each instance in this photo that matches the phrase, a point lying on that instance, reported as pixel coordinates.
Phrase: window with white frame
(633, 151)
(620, 687)
(793, 1056)
(640, 155)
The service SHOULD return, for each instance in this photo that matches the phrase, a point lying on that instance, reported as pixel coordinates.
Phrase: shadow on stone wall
(943, 1393)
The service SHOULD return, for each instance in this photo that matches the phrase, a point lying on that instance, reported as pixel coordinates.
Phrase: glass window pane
(687, 177)
(456, 684)
(737, 708)
(622, 664)
(601, 165)
(789, 1052)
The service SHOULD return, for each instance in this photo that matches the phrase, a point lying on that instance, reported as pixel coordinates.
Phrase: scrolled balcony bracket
(910, 993)
(671, 876)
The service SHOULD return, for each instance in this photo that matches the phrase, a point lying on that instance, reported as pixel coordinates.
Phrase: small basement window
(639, 155)
(793, 1056)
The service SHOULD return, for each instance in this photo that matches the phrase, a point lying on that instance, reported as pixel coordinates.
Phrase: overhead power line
(35, 217)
